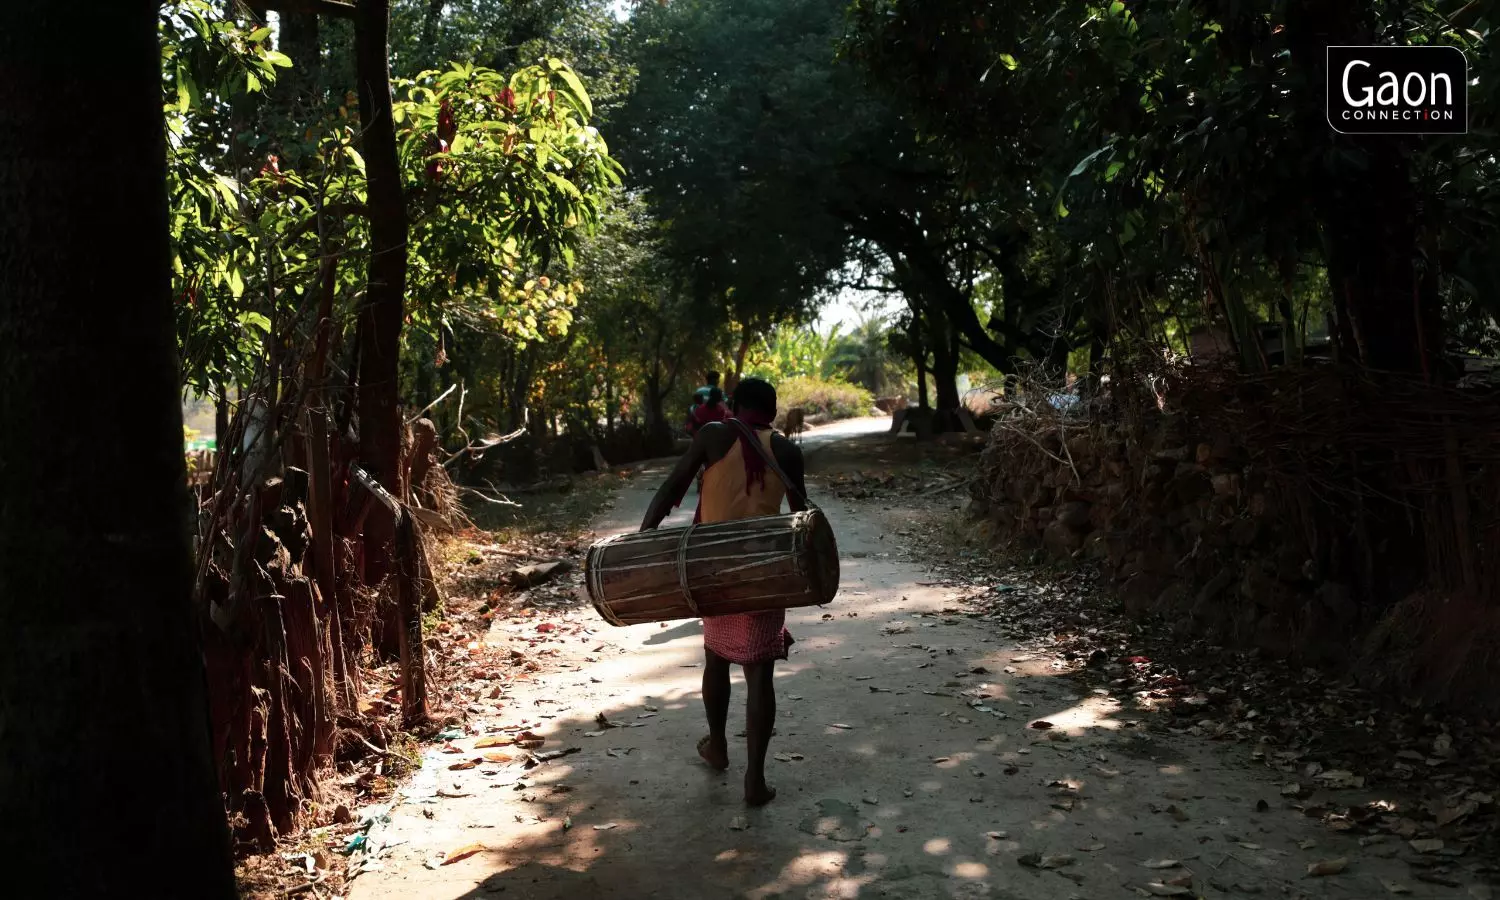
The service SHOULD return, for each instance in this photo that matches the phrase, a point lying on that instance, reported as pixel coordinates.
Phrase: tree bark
(740, 353)
(919, 358)
(296, 91)
(95, 565)
(381, 312)
(431, 17)
(945, 373)
(1369, 215)
(221, 418)
(658, 430)
(1393, 312)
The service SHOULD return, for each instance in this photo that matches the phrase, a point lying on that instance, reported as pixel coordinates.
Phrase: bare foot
(759, 795)
(715, 753)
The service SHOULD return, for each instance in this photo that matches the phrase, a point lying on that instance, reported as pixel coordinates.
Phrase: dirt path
(904, 761)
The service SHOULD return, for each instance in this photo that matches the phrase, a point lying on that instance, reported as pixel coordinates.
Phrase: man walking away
(736, 485)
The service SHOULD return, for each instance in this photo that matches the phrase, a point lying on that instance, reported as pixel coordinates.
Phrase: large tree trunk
(658, 429)
(95, 567)
(919, 357)
(1371, 224)
(740, 352)
(295, 97)
(432, 17)
(945, 353)
(1369, 215)
(380, 314)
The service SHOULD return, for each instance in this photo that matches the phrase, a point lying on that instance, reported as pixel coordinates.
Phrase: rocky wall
(1186, 524)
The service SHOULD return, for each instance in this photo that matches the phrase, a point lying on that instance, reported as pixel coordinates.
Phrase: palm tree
(865, 357)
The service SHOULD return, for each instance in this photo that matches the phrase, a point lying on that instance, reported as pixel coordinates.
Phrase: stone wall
(1244, 546)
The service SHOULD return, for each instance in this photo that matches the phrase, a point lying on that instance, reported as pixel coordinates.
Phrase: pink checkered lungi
(748, 638)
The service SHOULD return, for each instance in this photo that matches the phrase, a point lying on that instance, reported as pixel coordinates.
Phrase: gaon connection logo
(1398, 90)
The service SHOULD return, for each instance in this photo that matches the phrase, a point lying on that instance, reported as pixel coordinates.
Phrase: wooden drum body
(739, 566)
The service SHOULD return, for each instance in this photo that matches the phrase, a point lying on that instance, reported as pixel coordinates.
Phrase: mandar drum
(739, 566)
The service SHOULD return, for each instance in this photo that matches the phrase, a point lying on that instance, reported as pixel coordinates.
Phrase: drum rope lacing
(682, 579)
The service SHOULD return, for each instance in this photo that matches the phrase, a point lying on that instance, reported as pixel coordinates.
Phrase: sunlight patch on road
(822, 868)
(1089, 714)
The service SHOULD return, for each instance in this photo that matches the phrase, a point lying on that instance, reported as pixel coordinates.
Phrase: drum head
(822, 556)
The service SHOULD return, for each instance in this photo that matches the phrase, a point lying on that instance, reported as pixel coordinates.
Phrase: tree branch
(333, 8)
(331, 210)
(842, 284)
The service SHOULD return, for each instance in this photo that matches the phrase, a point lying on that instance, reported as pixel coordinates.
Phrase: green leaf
(255, 320)
(277, 58)
(575, 87)
(1084, 163)
(227, 189)
(1009, 61)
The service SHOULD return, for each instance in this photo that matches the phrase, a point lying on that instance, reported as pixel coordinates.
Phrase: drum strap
(682, 579)
(771, 464)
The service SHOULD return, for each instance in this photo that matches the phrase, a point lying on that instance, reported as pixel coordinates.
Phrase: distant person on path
(708, 405)
(712, 409)
(736, 485)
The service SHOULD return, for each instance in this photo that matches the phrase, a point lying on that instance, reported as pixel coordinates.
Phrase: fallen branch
(485, 446)
(499, 499)
(1062, 434)
(441, 397)
(373, 749)
(302, 888)
(1038, 444)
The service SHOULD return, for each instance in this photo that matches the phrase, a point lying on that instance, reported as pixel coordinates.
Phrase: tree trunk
(1393, 312)
(740, 353)
(380, 313)
(658, 430)
(919, 358)
(296, 91)
(95, 565)
(1369, 215)
(1098, 349)
(221, 418)
(431, 17)
(1055, 361)
(945, 374)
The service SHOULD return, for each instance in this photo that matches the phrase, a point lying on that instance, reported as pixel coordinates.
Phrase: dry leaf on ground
(1328, 867)
(464, 852)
